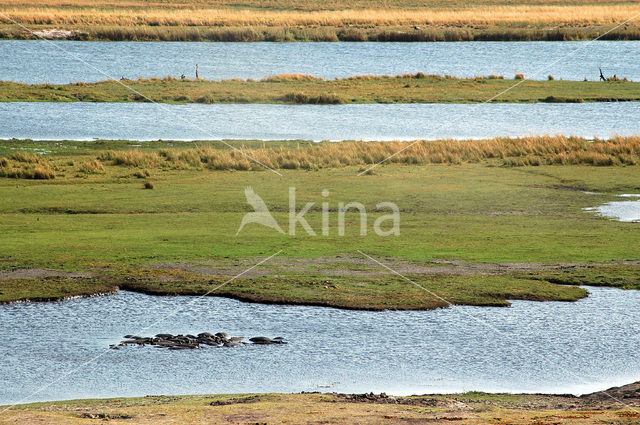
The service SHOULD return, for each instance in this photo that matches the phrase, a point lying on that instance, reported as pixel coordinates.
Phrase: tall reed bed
(204, 16)
(368, 32)
(548, 150)
(526, 151)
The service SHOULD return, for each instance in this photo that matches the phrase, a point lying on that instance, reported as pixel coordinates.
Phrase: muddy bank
(344, 282)
(626, 395)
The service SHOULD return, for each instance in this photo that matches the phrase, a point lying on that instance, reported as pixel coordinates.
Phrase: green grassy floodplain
(295, 88)
(477, 232)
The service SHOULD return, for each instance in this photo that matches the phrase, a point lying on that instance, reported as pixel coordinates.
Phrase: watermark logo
(384, 225)
(261, 215)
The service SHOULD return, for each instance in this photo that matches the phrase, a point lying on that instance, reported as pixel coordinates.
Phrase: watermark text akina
(384, 225)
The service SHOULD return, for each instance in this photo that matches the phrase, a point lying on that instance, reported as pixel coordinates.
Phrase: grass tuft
(25, 157)
(290, 77)
(91, 167)
(322, 99)
(130, 158)
(34, 172)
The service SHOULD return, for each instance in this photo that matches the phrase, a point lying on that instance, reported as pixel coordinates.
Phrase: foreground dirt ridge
(307, 408)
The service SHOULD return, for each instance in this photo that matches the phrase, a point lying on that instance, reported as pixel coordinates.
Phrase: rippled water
(551, 347)
(627, 210)
(40, 62)
(144, 121)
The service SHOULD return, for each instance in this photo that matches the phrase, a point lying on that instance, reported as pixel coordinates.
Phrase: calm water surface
(551, 347)
(145, 121)
(41, 62)
(627, 210)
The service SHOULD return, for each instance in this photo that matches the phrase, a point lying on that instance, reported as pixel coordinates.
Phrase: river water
(549, 347)
(70, 61)
(146, 121)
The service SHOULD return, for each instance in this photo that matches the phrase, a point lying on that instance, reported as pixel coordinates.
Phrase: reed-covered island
(307, 89)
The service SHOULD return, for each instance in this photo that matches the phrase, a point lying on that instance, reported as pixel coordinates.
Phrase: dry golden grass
(506, 152)
(291, 77)
(91, 167)
(550, 150)
(28, 170)
(330, 20)
(301, 5)
(131, 158)
(202, 16)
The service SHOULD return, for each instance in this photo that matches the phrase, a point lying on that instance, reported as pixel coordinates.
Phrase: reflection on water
(551, 347)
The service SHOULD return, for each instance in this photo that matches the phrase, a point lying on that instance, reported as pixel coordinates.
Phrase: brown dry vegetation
(24, 165)
(486, 15)
(91, 167)
(544, 150)
(291, 77)
(354, 20)
(301, 5)
(548, 150)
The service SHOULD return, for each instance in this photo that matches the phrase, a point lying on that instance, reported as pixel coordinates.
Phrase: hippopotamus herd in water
(186, 342)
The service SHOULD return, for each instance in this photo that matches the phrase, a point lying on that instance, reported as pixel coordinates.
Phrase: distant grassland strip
(356, 20)
(304, 5)
(307, 89)
(484, 15)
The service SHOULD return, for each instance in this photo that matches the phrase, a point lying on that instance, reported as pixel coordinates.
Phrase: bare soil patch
(359, 266)
(40, 273)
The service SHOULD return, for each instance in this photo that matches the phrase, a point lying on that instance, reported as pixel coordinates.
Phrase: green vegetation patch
(51, 288)
(303, 89)
(618, 276)
(385, 292)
